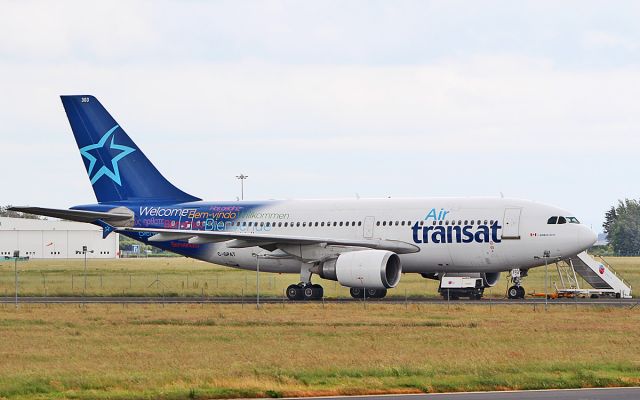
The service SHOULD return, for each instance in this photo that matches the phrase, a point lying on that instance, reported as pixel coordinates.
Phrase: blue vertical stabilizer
(117, 168)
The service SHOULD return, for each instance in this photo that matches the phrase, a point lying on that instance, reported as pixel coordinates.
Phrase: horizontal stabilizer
(74, 215)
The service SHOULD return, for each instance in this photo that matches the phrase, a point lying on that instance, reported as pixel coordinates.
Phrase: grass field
(186, 277)
(194, 351)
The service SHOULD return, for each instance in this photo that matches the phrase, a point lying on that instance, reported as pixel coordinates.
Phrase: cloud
(331, 98)
(602, 39)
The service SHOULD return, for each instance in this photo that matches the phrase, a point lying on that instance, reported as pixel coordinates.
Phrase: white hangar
(54, 239)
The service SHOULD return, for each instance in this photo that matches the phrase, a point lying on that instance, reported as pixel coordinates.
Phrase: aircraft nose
(586, 237)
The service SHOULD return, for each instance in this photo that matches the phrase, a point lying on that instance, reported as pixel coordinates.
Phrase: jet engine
(373, 269)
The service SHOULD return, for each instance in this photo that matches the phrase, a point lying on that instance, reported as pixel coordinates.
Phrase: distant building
(54, 239)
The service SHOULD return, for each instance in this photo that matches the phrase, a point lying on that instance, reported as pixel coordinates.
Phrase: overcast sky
(537, 100)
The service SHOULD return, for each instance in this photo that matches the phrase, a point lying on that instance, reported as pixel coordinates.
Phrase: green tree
(622, 226)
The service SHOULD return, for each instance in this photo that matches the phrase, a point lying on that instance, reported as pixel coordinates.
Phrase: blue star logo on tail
(105, 150)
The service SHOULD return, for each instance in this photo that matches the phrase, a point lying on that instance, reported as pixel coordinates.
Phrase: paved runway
(567, 394)
(274, 300)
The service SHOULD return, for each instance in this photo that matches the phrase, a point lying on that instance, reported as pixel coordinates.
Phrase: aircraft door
(511, 223)
(368, 227)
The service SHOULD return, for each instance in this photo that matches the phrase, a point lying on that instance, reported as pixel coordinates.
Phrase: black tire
(319, 291)
(513, 292)
(295, 292)
(521, 292)
(308, 292)
(382, 293)
(356, 292)
(618, 295)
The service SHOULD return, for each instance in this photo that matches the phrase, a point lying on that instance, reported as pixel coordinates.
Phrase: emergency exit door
(511, 223)
(368, 227)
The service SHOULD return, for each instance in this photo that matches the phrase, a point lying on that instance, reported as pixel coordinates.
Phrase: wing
(239, 239)
(74, 215)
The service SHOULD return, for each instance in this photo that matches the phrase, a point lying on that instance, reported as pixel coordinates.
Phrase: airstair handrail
(614, 271)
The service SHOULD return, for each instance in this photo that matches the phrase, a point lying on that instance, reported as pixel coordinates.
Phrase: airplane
(364, 244)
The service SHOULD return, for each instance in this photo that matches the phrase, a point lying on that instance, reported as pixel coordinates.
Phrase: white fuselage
(452, 234)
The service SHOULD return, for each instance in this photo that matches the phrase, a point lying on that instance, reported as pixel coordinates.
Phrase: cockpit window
(552, 220)
(562, 220)
(573, 220)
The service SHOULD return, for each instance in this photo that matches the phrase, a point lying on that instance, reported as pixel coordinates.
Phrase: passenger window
(422, 223)
(297, 224)
(552, 220)
(397, 223)
(335, 223)
(359, 223)
(446, 222)
(322, 224)
(377, 223)
(340, 223)
(384, 223)
(317, 224)
(562, 220)
(434, 222)
(402, 223)
(267, 224)
(440, 222)
(459, 222)
(485, 221)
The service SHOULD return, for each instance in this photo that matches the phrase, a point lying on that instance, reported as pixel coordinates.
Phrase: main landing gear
(517, 291)
(305, 291)
(360, 293)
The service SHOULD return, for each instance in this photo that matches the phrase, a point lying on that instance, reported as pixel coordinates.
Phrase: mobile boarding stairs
(602, 278)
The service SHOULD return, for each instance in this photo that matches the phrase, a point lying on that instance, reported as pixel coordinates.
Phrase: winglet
(106, 228)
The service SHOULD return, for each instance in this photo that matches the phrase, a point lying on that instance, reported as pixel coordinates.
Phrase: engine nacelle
(489, 279)
(375, 269)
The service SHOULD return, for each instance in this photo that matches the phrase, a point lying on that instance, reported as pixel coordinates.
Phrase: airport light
(242, 177)
(546, 254)
(258, 281)
(84, 251)
(16, 255)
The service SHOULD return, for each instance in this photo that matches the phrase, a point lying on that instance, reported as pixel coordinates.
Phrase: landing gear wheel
(356, 293)
(295, 292)
(313, 292)
(376, 293)
(381, 293)
(513, 292)
(521, 292)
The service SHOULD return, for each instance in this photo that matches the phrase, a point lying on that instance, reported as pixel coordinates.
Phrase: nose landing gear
(517, 291)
